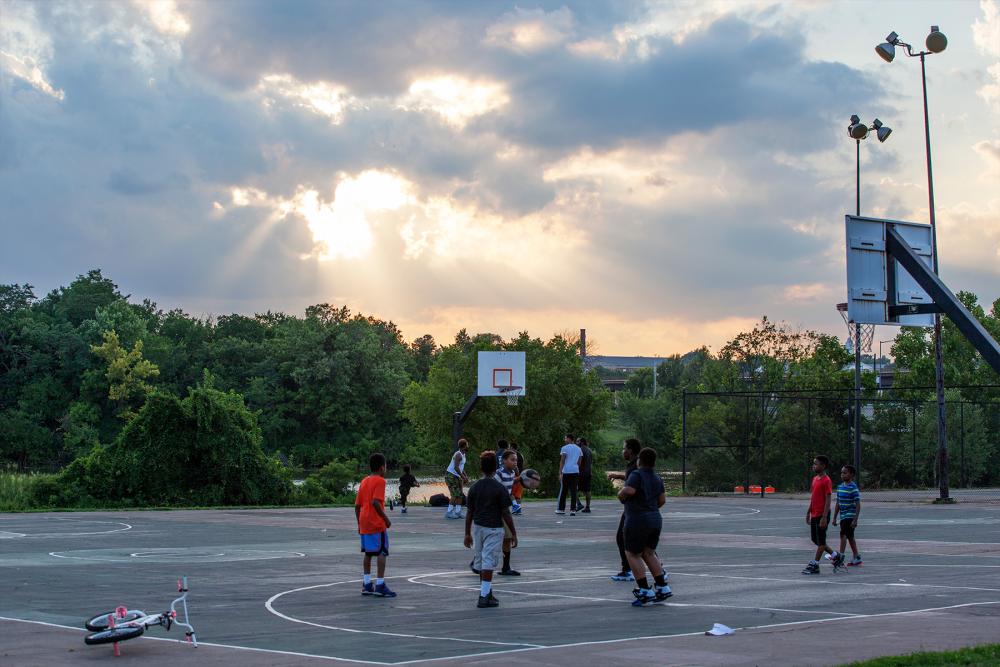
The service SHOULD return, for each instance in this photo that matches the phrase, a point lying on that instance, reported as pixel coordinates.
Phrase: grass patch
(17, 490)
(978, 656)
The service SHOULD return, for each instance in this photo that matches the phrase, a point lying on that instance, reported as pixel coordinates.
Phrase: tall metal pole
(938, 351)
(684, 440)
(857, 398)
(857, 340)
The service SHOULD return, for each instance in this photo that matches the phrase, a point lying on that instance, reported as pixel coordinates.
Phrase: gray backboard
(868, 279)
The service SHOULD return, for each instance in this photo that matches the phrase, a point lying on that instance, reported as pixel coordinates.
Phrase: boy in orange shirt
(818, 516)
(373, 526)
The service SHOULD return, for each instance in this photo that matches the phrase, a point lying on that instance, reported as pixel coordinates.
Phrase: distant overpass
(621, 366)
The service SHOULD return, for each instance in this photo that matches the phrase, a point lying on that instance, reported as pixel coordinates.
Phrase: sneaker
(383, 591)
(402, 510)
(572, 513)
(368, 589)
(560, 511)
(488, 601)
(663, 592)
(507, 572)
(452, 515)
(643, 596)
(516, 510)
(855, 562)
(838, 562)
(624, 575)
(811, 568)
(472, 566)
(585, 510)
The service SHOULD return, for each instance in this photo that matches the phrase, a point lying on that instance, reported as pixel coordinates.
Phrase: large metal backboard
(874, 280)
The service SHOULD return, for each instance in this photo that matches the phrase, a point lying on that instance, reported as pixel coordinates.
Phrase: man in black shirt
(643, 495)
(488, 511)
(586, 470)
(630, 452)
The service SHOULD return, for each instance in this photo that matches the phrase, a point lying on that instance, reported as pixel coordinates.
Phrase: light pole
(858, 131)
(936, 43)
(880, 355)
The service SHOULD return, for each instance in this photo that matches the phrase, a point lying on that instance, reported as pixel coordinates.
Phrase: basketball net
(512, 393)
(867, 331)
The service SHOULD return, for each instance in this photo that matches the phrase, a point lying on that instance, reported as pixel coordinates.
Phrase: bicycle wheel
(100, 622)
(119, 634)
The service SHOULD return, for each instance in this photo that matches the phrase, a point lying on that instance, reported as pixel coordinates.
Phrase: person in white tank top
(454, 477)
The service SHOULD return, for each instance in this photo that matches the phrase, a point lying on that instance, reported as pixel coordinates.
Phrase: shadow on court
(282, 587)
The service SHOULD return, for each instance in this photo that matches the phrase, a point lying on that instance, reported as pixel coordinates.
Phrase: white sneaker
(560, 511)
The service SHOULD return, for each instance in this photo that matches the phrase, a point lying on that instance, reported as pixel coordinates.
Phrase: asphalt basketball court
(281, 587)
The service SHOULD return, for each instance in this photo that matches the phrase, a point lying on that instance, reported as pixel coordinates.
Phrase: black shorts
(847, 528)
(817, 534)
(642, 532)
(584, 484)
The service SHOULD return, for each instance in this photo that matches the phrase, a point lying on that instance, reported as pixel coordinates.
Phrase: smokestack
(583, 345)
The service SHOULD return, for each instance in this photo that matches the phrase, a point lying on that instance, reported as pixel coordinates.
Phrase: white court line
(192, 558)
(100, 532)
(269, 605)
(555, 646)
(834, 583)
(203, 643)
(505, 588)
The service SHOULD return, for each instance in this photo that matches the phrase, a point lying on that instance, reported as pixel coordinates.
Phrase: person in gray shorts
(488, 512)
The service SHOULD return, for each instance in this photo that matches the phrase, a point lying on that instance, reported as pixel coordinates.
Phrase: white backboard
(500, 369)
(868, 271)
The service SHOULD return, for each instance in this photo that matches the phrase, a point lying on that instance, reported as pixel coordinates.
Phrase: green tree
(127, 373)
(559, 398)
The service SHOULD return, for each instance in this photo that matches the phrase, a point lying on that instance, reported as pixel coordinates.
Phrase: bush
(202, 450)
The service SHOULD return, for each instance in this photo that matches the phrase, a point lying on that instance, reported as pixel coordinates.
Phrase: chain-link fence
(764, 442)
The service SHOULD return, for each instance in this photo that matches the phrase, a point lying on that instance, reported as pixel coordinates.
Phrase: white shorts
(487, 543)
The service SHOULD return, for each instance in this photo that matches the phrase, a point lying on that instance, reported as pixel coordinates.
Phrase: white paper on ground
(719, 629)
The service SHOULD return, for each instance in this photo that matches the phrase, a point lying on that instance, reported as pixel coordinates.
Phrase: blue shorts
(375, 544)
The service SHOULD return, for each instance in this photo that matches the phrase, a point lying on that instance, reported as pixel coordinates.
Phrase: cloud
(529, 30)
(26, 50)
(986, 31)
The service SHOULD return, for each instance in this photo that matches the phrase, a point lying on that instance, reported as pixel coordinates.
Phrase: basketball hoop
(867, 330)
(512, 392)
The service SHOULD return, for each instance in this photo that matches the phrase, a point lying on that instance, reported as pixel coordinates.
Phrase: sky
(662, 174)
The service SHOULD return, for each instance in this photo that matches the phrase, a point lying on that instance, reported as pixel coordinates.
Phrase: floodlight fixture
(882, 131)
(887, 50)
(936, 41)
(857, 130)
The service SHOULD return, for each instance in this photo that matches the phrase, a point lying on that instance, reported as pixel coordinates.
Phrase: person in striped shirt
(506, 475)
(849, 509)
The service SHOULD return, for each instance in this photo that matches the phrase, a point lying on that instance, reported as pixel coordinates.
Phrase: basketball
(531, 479)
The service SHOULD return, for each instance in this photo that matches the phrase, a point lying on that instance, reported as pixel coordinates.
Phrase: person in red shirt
(818, 516)
(373, 526)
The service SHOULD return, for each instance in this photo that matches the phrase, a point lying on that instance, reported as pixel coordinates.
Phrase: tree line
(127, 403)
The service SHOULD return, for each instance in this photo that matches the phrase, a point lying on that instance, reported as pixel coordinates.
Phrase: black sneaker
(811, 568)
(838, 562)
(488, 601)
(585, 510)
(507, 572)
